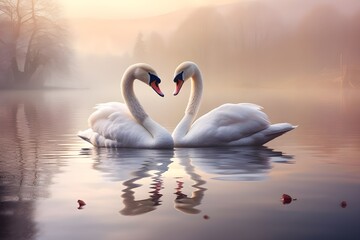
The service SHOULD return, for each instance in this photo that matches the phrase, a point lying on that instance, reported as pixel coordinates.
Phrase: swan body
(127, 125)
(241, 124)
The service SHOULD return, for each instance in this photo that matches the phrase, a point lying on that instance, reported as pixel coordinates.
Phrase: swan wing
(227, 123)
(112, 125)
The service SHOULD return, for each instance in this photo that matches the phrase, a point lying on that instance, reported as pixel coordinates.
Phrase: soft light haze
(129, 9)
(298, 59)
(254, 42)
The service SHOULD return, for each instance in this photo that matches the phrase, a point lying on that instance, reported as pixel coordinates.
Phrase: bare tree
(35, 39)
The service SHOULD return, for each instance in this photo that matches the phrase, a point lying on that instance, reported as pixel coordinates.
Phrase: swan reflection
(142, 172)
(182, 202)
(136, 207)
(237, 164)
(133, 165)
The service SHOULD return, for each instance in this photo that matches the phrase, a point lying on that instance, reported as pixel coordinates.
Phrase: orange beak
(179, 84)
(156, 87)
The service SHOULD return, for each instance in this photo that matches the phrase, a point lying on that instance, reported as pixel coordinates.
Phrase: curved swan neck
(192, 108)
(129, 96)
(196, 93)
(160, 136)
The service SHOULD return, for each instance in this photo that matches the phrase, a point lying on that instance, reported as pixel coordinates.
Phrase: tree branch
(5, 10)
(26, 20)
(28, 14)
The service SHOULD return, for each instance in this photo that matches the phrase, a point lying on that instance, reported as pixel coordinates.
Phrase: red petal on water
(81, 203)
(343, 204)
(286, 199)
(206, 217)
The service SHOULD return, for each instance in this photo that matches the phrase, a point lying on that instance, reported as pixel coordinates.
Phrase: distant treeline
(253, 42)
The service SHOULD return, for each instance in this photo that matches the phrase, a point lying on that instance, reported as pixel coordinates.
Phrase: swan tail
(280, 128)
(276, 130)
(86, 135)
(96, 139)
(264, 136)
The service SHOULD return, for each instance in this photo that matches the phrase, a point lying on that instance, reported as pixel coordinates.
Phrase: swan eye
(154, 78)
(179, 77)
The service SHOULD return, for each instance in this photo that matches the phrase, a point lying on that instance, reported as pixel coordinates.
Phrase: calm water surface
(225, 193)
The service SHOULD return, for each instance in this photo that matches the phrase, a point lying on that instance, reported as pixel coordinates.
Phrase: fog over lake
(299, 60)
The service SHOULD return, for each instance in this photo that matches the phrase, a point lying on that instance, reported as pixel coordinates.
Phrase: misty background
(273, 43)
(248, 51)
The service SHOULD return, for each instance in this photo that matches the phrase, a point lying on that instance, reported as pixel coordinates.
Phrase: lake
(205, 193)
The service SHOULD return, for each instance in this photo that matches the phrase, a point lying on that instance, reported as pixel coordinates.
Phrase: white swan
(115, 124)
(239, 124)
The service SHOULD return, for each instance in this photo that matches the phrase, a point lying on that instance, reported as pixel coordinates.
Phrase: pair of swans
(127, 125)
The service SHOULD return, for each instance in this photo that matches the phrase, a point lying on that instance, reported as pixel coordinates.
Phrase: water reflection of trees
(19, 170)
(27, 159)
(350, 106)
(133, 165)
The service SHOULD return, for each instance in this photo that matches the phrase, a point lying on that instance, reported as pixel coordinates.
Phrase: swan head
(154, 81)
(183, 72)
(147, 75)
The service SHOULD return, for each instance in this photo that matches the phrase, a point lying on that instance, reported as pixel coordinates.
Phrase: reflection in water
(19, 176)
(183, 202)
(38, 141)
(239, 164)
(118, 164)
(132, 166)
(29, 150)
(135, 165)
(136, 207)
(351, 107)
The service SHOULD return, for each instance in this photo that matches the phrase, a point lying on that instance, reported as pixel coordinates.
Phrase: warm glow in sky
(128, 8)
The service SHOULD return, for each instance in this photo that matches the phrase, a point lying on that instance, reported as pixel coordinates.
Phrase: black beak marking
(179, 77)
(154, 78)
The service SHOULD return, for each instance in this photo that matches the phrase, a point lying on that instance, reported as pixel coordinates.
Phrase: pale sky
(128, 8)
